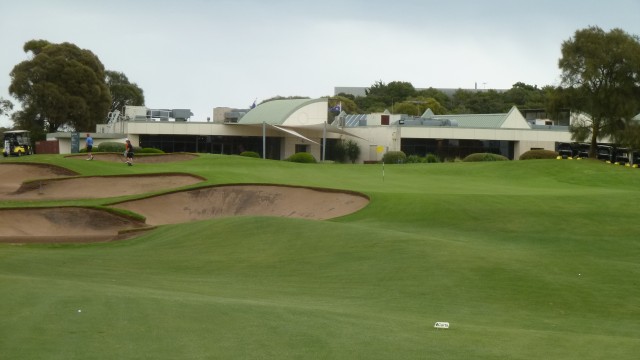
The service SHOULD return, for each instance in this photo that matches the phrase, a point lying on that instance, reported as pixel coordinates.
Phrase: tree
(352, 150)
(346, 104)
(60, 85)
(423, 103)
(525, 96)
(479, 102)
(5, 106)
(388, 94)
(123, 92)
(28, 119)
(407, 107)
(601, 72)
(370, 105)
(338, 104)
(346, 149)
(440, 97)
(631, 136)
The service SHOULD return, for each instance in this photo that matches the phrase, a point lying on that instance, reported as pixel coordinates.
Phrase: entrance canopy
(294, 133)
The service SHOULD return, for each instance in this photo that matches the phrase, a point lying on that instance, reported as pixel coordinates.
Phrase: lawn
(531, 259)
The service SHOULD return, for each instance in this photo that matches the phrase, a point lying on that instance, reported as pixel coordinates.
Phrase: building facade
(280, 128)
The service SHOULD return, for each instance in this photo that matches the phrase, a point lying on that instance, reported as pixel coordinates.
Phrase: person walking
(89, 145)
(128, 152)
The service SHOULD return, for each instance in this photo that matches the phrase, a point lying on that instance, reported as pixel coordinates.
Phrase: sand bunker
(237, 200)
(14, 174)
(76, 224)
(93, 187)
(23, 181)
(64, 224)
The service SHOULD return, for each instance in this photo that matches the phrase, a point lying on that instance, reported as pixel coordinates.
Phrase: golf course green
(535, 259)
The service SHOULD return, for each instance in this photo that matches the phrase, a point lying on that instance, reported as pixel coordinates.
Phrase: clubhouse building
(279, 128)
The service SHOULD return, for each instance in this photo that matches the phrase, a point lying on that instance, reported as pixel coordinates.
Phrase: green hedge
(416, 159)
(430, 158)
(394, 157)
(112, 146)
(539, 154)
(302, 157)
(484, 157)
(109, 146)
(252, 154)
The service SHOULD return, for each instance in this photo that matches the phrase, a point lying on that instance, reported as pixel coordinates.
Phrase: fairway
(530, 259)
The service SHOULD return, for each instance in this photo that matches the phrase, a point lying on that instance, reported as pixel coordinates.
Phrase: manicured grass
(531, 259)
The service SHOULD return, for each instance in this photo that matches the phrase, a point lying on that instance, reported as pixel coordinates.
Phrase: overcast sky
(199, 54)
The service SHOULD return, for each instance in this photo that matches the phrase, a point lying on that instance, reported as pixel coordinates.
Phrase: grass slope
(526, 260)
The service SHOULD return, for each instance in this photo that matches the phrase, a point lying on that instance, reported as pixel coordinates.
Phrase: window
(301, 148)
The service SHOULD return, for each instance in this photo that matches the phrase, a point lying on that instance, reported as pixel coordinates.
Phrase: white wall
(515, 120)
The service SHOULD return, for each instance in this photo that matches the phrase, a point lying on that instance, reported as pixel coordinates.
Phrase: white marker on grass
(441, 325)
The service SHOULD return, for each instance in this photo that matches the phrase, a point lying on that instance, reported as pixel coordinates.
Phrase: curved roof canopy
(290, 112)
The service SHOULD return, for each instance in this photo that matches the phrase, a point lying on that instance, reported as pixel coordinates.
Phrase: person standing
(128, 152)
(89, 144)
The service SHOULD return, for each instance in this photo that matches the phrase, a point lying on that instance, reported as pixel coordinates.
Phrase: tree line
(402, 98)
(64, 87)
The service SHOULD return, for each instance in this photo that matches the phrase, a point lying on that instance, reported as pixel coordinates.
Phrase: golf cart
(605, 152)
(565, 150)
(17, 142)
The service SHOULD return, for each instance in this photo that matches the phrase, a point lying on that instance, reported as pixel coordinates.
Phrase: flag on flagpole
(254, 104)
(337, 108)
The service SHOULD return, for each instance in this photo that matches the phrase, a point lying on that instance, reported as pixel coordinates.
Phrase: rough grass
(526, 260)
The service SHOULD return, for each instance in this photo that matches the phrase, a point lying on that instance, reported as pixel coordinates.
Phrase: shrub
(110, 146)
(484, 157)
(539, 154)
(252, 154)
(302, 157)
(394, 157)
(340, 152)
(430, 158)
(414, 159)
(352, 150)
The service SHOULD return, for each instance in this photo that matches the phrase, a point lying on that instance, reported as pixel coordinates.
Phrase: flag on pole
(337, 108)
(254, 104)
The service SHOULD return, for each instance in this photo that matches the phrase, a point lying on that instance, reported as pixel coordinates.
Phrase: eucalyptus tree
(123, 92)
(601, 77)
(60, 85)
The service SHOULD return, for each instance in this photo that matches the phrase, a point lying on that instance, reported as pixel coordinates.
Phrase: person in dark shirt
(128, 152)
